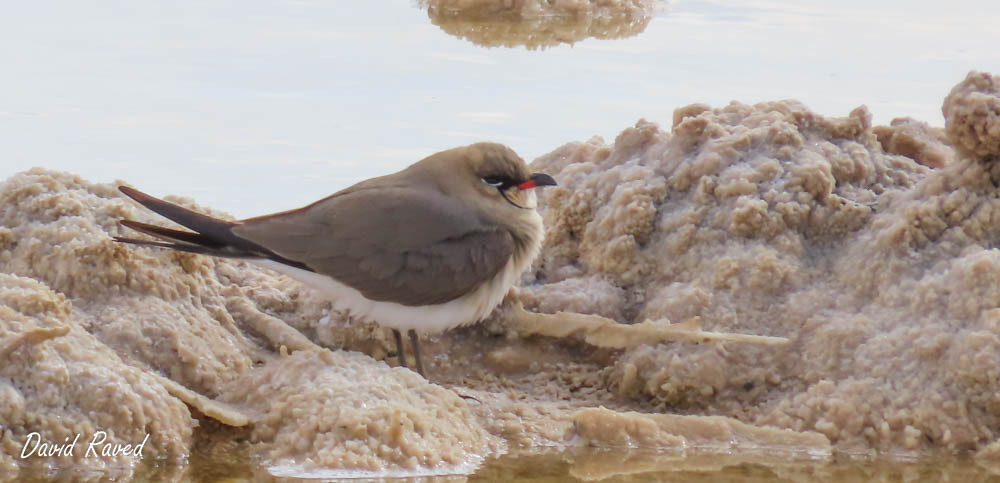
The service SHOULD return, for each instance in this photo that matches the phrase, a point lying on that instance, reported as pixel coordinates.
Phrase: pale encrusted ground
(772, 220)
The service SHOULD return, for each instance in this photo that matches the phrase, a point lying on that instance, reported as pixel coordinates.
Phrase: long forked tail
(210, 236)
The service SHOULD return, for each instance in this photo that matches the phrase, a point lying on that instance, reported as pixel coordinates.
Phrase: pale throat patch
(524, 198)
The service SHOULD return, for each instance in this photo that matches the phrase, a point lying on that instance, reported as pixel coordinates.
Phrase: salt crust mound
(135, 315)
(770, 219)
(362, 417)
(71, 384)
(538, 24)
(972, 115)
(605, 428)
(915, 139)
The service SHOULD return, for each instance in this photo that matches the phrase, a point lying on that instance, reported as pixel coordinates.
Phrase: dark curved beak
(536, 180)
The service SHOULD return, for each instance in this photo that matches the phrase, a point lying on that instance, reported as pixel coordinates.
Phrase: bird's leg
(416, 351)
(400, 355)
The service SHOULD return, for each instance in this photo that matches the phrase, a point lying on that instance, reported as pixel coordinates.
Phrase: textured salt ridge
(972, 116)
(917, 140)
(73, 384)
(350, 412)
(691, 433)
(212, 326)
(770, 219)
(539, 24)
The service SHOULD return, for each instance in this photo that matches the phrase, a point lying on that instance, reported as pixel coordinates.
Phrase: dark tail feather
(212, 228)
(211, 236)
(172, 235)
(185, 241)
(184, 247)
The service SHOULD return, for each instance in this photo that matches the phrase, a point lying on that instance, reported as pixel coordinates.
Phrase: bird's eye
(493, 181)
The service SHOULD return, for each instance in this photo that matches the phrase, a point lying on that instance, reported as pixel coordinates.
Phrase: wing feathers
(211, 236)
(404, 245)
(412, 246)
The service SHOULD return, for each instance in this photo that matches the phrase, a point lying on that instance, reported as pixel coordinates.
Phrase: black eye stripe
(498, 181)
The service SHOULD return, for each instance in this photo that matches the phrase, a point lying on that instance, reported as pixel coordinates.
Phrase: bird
(429, 248)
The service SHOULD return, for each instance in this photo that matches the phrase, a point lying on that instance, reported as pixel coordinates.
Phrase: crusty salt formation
(395, 421)
(770, 219)
(538, 24)
(603, 427)
(98, 336)
(59, 381)
(917, 140)
(972, 116)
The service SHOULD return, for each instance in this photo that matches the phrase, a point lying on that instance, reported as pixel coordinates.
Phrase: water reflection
(587, 464)
(582, 464)
(538, 24)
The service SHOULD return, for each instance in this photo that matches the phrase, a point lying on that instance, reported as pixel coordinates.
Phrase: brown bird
(429, 248)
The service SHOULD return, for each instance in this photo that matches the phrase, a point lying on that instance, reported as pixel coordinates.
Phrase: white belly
(467, 309)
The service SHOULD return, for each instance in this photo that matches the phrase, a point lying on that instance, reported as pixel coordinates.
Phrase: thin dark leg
(400, 355)
(416, 351)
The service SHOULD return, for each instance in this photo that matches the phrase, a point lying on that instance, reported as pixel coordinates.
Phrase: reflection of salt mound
(89, 328)
(770, 219)
(539, 23)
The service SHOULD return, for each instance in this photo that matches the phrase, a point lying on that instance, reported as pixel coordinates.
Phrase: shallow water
(585, 464)
(275, 104)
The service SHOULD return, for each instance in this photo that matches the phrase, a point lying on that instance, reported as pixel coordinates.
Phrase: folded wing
(403, 245)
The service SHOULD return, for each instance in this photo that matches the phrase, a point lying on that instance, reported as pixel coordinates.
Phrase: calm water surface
(253, 106)
(583, 465)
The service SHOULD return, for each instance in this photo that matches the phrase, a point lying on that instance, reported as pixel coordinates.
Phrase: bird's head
(493, 176)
